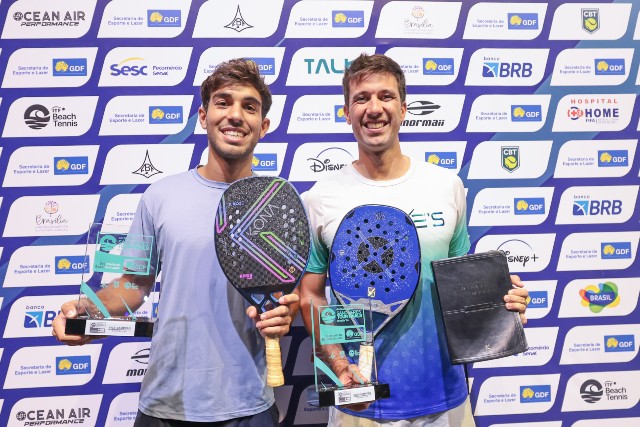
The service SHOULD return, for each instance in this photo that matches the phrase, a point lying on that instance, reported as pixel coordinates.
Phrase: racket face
(375, 256)
(262, 238)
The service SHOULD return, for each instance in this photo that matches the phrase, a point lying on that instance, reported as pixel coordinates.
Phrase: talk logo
(596, 298)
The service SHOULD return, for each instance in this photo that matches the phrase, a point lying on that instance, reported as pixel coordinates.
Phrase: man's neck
(225, 170)
(383, 166)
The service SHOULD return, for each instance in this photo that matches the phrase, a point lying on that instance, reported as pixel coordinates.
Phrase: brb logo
(437, 66)
(615, 250)
(529, 206)
(507, 69)
(597, 207)
(535, 393)
(39, 319)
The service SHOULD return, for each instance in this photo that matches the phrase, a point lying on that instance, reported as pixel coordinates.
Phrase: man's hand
(516, 299)
(276, 322)
(350, 375)
(67, 311)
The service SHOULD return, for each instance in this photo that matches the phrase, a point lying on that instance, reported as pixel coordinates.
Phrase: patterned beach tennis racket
(375, 261)
(262, 242)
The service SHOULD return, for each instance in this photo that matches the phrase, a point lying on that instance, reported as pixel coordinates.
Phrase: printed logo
(265, 162)
(619, 343)
(39, 319)
(591, 391)
(74, 264)
(446, 159)
(507, 69)
(164, 18)
(267, 66)
(324, 161)
(69, 67)
(597, 207)
(518, 252)
(535, 393)
(609, 67)
(141, 357)
(437, 66)
(510, 158)
(613, 158)
(37, 116)
(338, 113)
(529, 206)
(147, 169)
(165, 114)
(615, 250)
(71, 165)
(538, 299)
(73, 365)
(128, 70)
(522, 21)
(347, 18)
(70, 18)
(421, 108)
(590, 20)
(238, 23)
(597, 298)
(526, 113)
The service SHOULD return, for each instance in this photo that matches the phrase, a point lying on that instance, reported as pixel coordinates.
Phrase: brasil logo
(600, 296)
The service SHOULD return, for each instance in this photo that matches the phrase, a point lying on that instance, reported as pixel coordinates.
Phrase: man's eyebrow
(229, 95)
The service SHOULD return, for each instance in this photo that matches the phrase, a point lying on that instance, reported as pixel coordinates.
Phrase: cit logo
(598, 297)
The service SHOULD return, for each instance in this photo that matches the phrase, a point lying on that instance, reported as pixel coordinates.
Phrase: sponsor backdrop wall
(532, 104)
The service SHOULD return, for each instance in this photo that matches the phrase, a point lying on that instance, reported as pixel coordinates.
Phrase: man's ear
(346, 114)
(202, 117)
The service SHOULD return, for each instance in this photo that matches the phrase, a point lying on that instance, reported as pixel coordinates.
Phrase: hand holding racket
(262, 242)
(375, 261)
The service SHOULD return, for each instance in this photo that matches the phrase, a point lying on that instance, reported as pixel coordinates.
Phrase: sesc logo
(597, 207)
(535, 393)
(609, 67)
(37, 116)
(510, 158)
(591, 391)
(597, 298)
(39, 319)
(347, 18)
(69, 67)
(522, 21)
(619, 343)
(507, 69)
(164, 18)
(74, 264)
(613, 158)
(264, 162)
(267, 66)
(128, 70)
(526, 113)
(446, 159)
(529, 206)
(161, 115)
(590, 20)
(437, 66)
(615, 250)
(338, 114)
(538, 299)
(73, 365)
(71, 165)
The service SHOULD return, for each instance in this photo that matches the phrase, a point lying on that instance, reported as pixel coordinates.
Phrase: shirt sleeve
(460, 243)
(318, 259)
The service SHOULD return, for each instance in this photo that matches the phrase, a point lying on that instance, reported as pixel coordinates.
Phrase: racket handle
(275, 377)
(365, 361)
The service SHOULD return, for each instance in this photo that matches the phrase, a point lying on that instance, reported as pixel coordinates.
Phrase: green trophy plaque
(118, 291)
(339, 332)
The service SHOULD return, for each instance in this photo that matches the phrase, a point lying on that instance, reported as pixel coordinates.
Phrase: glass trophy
(118, 294)
(342, 337)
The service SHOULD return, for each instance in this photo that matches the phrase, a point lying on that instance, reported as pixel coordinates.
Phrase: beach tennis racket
(262, 242)
(375, 261)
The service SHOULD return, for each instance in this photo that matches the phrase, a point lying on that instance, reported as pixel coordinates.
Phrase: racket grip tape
(275, 377)
(365, 361)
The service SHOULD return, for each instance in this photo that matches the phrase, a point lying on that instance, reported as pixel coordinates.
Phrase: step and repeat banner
(532, 104)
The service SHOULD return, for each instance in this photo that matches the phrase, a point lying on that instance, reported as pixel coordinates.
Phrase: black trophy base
(109, 327)
(345, 396)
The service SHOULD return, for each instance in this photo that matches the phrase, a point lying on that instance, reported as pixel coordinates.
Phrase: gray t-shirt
(207, 358)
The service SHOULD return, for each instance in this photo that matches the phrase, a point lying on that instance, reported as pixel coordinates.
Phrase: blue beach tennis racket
(375, 261)
(262, 242)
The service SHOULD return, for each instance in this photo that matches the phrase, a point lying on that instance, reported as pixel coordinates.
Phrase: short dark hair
(238, 71)
(365, 65)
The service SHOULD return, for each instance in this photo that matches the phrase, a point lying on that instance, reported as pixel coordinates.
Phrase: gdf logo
(507, 69)
(266, 66)
(74, 264)
(526, 113)
(71, 165)
(165, 114)
(264, 162)
(612, 158)
(538, 299)
(164, 18)
(535, 393)
(609, 66)
(597, 207)
(348, 18)
(69, 67)
(529, 206)
(128, 70)
(73, 365)
(615, 250)
(437, 66)
(522, 21)
(619, 343)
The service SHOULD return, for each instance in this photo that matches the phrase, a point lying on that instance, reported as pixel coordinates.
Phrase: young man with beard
(426, 390)
(207, 364)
